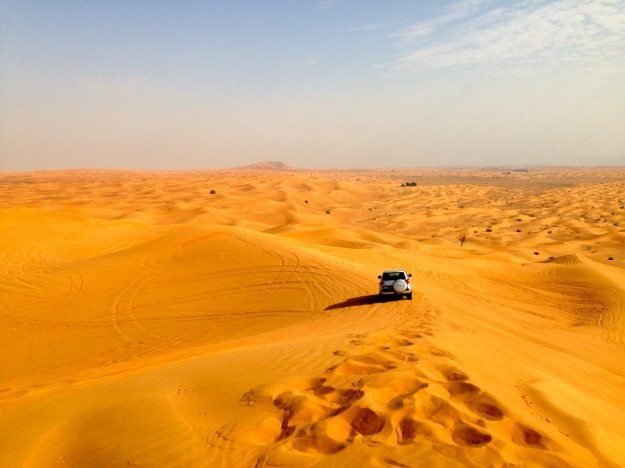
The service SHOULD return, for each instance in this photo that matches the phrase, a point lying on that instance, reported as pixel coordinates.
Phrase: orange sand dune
(147, 321)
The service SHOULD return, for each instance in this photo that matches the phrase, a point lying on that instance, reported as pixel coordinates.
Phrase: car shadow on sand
(362, 300)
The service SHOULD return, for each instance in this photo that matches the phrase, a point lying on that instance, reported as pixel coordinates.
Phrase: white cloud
(456, 12)
(529, 30)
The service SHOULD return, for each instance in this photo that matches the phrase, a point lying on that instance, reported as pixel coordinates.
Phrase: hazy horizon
(260, 165)
(325, 84)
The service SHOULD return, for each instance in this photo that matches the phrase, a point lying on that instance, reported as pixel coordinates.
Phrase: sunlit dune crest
(231, 318)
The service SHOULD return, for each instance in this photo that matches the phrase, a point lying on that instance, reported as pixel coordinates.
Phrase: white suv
(395, 282)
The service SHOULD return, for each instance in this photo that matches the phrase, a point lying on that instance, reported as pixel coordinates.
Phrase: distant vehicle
(396, 283)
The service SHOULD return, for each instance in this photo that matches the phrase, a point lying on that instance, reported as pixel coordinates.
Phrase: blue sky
(315, 84)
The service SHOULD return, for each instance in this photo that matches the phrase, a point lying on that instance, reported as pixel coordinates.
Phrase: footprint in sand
(412, 335)
(315, 440)
(366, 422)
(462, 390)
(390, 395)
(403, 342)
(487, 407)
(452, 374)
(530, 437)
(344, 399)
(465, 434)
(321, 390)
(409, 430)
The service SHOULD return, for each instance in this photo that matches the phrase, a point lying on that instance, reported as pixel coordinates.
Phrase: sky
(315, 84)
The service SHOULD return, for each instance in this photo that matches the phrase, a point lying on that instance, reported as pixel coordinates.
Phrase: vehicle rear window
(393, 275)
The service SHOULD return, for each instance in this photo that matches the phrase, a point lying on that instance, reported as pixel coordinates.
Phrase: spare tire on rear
(400, 286)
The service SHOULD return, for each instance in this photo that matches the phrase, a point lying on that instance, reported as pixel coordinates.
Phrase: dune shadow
(362, 300)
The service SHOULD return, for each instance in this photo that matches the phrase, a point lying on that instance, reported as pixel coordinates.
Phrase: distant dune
(230, 318)
(268, 166)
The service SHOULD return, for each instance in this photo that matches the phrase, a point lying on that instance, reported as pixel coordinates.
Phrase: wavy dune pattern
(147, 321)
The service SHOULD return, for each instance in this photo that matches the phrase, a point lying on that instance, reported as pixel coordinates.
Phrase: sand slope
(145, 320)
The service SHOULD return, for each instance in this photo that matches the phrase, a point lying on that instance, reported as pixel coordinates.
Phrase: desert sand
(147, 321)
